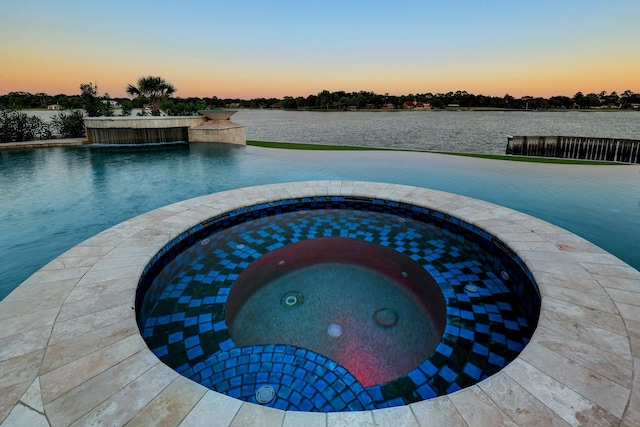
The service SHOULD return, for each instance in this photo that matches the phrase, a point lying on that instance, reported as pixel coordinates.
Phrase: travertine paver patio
(71, 352)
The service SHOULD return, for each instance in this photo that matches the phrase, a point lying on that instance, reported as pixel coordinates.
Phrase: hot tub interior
(336, 303)
(350, 300)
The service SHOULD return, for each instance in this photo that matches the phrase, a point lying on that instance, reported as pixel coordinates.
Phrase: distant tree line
(341, 100)
(153, 93)
(325, 100)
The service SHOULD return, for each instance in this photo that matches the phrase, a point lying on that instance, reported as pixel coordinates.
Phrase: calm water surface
(461, 131)
(53, 198)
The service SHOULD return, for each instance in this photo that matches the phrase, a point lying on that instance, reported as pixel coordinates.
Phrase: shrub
(93, 105)
(127, 106)
(182, 108)
(69, 124)
(16, 126)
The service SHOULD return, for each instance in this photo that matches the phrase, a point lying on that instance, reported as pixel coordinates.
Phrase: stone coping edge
(62, 142)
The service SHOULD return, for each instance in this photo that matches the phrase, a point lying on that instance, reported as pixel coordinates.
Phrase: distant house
(53, 107)
(111, 103)
(416, 105)
(379, 106)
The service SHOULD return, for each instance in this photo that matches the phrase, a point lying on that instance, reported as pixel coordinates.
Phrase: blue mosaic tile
(187, 275)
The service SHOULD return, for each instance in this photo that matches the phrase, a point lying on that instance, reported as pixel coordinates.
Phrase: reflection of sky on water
(52, 199)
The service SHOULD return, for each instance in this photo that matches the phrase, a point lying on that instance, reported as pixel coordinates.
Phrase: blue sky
(252, 49)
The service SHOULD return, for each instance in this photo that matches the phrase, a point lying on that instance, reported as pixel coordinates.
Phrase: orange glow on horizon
(53, 79)
(56, 71)
(61, 81)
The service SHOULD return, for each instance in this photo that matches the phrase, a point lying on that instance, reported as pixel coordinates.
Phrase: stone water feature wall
(218, 128)
(212, 126)
(219, 131)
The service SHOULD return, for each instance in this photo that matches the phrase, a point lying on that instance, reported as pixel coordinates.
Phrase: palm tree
(154, 89)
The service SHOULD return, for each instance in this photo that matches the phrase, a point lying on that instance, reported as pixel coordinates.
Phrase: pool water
(54, 198)
(337, 319)
(352, 301)
(492, 305)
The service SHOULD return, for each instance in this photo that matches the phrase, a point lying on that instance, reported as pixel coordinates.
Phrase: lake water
(459, 131)
(53, 198)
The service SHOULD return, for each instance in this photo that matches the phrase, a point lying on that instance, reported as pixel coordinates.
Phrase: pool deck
(71, 352)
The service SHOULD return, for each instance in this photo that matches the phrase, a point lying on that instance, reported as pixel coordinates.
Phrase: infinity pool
(54, 198)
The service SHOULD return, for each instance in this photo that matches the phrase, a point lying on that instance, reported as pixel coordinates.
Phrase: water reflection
(216, 150)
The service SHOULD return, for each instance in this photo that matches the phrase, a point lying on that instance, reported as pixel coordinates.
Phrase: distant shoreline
(401, 110)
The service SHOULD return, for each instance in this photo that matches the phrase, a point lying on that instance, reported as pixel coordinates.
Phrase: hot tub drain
(292, 299)
(265, 393)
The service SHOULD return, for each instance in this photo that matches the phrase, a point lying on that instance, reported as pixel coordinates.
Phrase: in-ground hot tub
(336, 303)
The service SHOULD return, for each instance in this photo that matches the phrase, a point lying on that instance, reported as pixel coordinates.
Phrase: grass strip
(553, 160)
(299, 146)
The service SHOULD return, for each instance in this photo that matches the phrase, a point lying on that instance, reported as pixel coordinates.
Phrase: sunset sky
(251, 48)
